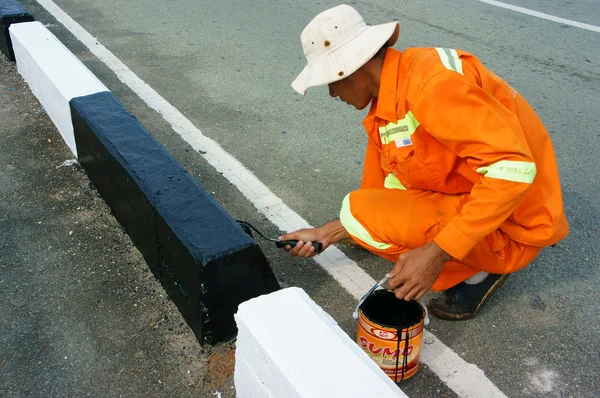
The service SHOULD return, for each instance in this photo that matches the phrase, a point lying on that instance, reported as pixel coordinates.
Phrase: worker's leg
(390, 222)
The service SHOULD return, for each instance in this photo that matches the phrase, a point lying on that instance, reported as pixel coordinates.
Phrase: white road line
(538, 14)
(466, 379)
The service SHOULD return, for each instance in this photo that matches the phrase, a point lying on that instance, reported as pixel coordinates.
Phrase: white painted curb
(53, 73)
(289, 347)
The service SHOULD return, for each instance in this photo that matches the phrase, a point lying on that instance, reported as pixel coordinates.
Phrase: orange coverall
(455, 155)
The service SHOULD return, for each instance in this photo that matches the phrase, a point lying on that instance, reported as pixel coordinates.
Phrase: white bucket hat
(336, 43)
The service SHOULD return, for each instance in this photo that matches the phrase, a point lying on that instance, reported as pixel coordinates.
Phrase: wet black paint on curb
(205, 261)
(11, 12)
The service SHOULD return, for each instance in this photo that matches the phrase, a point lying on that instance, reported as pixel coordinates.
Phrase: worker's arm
(328, 234)
(475, 126)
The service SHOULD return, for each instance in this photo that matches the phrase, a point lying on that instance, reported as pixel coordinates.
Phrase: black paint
(383, 308)
(11, 12)
(204, 259)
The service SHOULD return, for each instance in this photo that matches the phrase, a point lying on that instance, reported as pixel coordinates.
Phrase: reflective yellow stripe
(402, 130)
(392, 182)
(355, 228)
(450, 59)
(510, 170)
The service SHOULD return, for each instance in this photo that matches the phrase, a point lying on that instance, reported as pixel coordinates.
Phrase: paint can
(390, 332)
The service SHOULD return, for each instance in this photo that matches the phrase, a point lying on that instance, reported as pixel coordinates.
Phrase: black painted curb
(203, 258)
(11, 12)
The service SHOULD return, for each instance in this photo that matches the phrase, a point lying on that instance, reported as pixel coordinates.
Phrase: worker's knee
(355, 201)
(360, 206)
(358, 223)
(348, 211)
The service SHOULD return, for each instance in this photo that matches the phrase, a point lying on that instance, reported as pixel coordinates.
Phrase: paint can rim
(411, 325)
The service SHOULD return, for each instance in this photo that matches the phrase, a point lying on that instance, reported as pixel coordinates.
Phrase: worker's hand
(305, 238)
(328, 234)
(416, 271)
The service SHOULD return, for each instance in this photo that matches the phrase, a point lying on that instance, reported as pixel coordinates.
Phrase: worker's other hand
(416, 271)
(305, 238)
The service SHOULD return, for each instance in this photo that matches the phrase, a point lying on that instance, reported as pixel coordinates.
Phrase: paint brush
(246, 226)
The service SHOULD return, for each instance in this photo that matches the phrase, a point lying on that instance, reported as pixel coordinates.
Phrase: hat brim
(348, 58)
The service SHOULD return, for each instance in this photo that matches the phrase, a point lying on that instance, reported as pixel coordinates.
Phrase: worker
(460, 185)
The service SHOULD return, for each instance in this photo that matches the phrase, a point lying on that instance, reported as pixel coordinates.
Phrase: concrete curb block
(289, 347)
(10, 12)
(53, 73)
(204, 260)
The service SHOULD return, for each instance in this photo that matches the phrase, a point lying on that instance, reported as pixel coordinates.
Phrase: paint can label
(381, 344)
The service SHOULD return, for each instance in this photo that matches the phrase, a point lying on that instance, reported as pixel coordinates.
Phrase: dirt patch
(219, 369)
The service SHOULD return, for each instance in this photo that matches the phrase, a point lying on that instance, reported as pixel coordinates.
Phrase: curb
(53, 73)
(204, 259)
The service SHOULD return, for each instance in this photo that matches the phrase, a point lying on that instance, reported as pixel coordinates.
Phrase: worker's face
(352, 90)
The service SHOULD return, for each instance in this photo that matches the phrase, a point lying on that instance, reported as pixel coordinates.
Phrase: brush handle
(283, 243)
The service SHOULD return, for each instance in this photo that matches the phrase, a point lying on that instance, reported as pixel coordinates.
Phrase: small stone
(537, 303)
(17, 303)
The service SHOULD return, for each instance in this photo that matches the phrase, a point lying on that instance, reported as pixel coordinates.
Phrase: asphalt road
(227, 66)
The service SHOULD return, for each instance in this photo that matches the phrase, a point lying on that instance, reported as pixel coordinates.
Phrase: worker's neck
(372, 73)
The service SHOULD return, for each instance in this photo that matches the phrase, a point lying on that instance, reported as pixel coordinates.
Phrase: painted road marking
(466, 379)
(538, 14)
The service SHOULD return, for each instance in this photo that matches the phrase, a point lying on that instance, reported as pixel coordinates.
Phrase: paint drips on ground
(383, 308)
